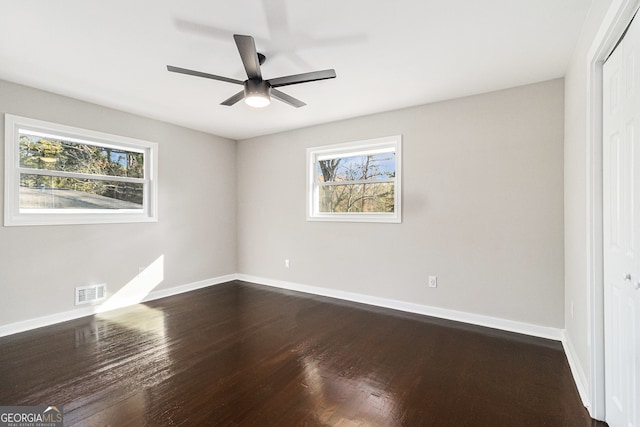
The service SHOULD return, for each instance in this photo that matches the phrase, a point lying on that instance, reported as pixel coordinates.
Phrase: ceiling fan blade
(287, 99)
(201, 74)
(302, 78)
(235, 98)
(249, 55)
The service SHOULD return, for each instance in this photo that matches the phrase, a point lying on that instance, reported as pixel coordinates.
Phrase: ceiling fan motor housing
(260, 88)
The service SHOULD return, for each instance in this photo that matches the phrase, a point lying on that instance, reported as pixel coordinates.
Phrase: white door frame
(611, 29)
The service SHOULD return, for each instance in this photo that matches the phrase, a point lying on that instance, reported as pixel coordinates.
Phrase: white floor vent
(86, 294)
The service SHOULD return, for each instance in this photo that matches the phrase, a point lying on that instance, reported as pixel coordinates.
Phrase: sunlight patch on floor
(138, 317)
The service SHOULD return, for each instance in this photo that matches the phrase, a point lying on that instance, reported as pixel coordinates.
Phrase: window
(357, 181)
(56, 174)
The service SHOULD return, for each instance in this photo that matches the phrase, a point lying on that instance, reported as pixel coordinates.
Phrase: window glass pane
(355, 168)
(374, 197)
(49, 192)
(37, 152)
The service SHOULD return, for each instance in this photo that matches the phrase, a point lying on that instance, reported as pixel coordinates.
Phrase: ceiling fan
(258, 92)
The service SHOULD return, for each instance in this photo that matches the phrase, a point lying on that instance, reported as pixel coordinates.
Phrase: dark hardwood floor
(239, 354)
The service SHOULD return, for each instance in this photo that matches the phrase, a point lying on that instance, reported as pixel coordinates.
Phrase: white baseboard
(443, 313)
(25, 325)
(460, 316)
(577, 372)
(555, 334)
(163, 293)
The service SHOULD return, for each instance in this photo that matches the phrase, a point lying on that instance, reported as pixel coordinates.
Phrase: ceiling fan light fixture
(257, 101)
(257, 94)
(257, 91)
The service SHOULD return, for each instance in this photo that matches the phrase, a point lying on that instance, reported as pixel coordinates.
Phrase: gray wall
(41, 265)
(482, 208)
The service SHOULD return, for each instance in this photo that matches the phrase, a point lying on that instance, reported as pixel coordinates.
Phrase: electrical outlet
(286, 263)
(433, 281)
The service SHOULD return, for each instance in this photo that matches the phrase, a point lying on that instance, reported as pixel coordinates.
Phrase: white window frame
(369, 146)
(14, 216)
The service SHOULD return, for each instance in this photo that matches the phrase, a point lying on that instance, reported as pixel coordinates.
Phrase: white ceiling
(387, 54)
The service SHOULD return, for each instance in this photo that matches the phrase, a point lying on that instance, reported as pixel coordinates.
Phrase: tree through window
(63, 175)
(355, 181)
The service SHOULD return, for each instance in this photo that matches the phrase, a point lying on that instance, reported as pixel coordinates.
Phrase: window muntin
(57, 174)
(358, 181)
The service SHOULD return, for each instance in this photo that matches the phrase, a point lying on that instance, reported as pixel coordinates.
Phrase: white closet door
(621, 186)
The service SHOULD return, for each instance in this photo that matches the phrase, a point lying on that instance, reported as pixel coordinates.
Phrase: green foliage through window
(53, 154)
(57, 174)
